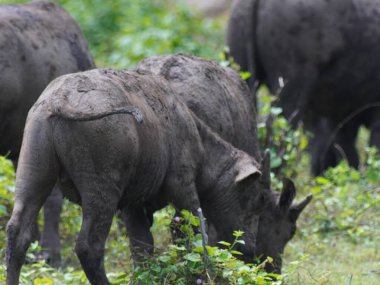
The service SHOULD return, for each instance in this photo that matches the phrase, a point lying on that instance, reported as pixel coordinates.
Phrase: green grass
(334, 261)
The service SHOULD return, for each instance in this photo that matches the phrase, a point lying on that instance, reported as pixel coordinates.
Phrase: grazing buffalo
(123, 140)
(39, 42)
(221, 99)
(322, 58)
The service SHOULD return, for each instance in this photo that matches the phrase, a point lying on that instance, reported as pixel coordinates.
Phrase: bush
(180, 263)
(184, 263)
(347, 201)
(7, 177)
(124, 32)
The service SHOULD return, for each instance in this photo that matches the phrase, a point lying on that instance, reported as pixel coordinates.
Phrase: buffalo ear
(265, 169)
(287, 195)
(295, 210)
(246, 168)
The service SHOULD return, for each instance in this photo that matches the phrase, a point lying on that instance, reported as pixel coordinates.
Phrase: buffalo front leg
(178, 235)
(345, 144)
(322, 154)
(333, 142)
(138, 225)
(185, 197)
(50, 240)
(374, 126)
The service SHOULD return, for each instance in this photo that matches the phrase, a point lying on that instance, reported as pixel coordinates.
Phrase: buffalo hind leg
(344, 143)
(21, 231)
(374, 126)
(36, 176)
(50, 239)
(98, 209)
(21, 228)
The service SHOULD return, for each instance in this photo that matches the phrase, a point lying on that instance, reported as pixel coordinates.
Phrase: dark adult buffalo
(39, 42)
(122, 140)
(323, 59)
(220, 98)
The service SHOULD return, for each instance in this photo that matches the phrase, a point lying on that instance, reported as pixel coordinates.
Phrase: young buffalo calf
(117, 140)
(221, 99)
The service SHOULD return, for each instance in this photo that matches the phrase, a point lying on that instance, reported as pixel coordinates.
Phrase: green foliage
(180, 263)
(124, 32)
(7, 177)
(333, 260)
(286, 143)
(347, 201)
(40, 273)
(184, 263)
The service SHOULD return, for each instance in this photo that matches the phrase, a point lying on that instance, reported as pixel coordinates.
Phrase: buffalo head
(277, 223)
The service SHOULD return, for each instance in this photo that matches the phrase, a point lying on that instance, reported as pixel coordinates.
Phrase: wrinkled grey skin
(216, 94)
(158, 151)
(221, 99)
(327, 54)
(39, 42)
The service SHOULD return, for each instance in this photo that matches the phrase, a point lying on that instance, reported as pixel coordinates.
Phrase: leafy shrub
(7, 177)
(122, 33)
(287, 144)
(347, 201)
(181, 263)
(184, 263)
